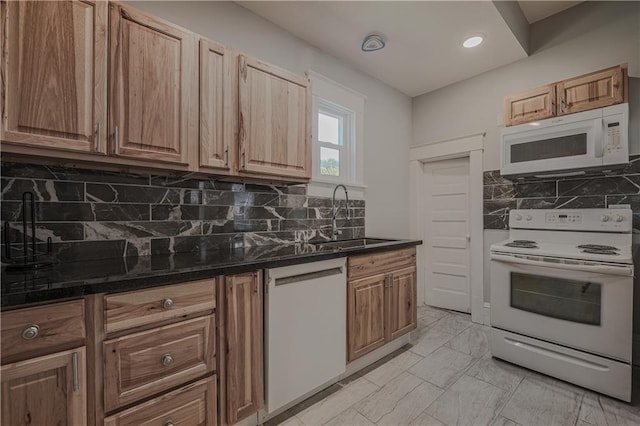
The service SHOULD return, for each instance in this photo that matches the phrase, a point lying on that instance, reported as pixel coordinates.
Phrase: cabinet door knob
(167, 303)
(31, 332)
(167, 360)
(169, 423)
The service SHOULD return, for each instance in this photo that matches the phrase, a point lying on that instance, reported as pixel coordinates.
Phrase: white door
(446, 208)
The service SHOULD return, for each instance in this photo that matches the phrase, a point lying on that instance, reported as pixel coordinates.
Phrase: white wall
(387, 123)
(580, 40)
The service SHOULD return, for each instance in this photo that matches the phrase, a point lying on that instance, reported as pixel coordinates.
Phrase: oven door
(579, 306)
(556, 144)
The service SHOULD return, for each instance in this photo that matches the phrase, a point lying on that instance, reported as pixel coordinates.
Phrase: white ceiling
(424, 39)
(536, 10)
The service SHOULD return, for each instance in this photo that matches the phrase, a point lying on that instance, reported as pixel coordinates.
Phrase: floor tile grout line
(352, 405)
(579, 409)
(394, 406)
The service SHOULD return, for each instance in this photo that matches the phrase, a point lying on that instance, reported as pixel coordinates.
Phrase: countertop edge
(19, 300)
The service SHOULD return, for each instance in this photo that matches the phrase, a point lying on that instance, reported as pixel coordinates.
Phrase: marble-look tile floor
(447, 376)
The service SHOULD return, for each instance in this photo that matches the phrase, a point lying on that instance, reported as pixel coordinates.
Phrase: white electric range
(562, 296)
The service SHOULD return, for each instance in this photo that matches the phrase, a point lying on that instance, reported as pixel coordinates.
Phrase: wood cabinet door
(532, 105)
(153, 87)
(402, 303)
(244, 337)
(54, 69)
(45, 391)
(595, 90)
(275, 120)
(366, 315)
(216, 107)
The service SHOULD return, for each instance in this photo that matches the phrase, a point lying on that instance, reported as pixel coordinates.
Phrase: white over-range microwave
(567, 145)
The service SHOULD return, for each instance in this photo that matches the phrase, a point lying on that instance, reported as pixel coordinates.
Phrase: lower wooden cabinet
(366, 315)
(149, 362)
(380, 307)
(241, 343)
(46, 391)
(192, 405)
(402, 303)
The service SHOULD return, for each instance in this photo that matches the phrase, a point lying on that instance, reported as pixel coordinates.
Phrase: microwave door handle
(602, 269)
(598, 144)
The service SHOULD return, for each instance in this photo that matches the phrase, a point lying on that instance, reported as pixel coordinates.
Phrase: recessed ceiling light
(535, 123)
(472, 41)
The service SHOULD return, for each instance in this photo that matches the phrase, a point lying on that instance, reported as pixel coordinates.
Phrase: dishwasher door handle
(308, 276)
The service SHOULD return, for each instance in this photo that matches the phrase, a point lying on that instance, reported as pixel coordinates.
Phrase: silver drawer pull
(167, 360)
(169, 423)
(167, 303)
(31, 332)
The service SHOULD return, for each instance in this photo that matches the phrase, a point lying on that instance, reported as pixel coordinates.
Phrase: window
(337, 133)
(333, 127)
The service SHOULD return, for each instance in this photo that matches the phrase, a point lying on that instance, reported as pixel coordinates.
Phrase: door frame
(472, 147)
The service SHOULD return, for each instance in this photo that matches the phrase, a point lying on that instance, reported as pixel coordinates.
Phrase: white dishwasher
(305, 324)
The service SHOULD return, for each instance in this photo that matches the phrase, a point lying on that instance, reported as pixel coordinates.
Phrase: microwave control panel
(613, 137)
(615, 134)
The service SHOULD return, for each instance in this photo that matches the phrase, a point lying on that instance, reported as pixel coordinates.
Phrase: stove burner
(599, 251)
(597, 247)
(523, 244)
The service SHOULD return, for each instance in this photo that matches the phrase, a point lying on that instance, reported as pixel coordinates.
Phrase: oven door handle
(624, 270)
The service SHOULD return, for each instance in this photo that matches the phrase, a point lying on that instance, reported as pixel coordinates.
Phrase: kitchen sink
(346, 244)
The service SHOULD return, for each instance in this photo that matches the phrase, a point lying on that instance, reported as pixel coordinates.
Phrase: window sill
(324, 188)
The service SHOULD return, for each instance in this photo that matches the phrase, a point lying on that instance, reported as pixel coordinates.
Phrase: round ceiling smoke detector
(373, 42)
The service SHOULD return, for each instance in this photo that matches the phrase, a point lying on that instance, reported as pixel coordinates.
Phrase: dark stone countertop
(74, 279)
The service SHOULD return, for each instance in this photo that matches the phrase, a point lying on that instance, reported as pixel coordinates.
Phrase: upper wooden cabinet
(536, 104)
(82, 78)
(589, 91)
(153, 87)
(54, 73)
(381, 299)
(45, 391)
(275, 121)
(595, 90)
(241, 336)
(217, 149)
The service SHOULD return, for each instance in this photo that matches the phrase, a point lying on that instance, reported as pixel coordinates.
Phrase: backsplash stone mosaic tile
(593, 190)
(95, 214)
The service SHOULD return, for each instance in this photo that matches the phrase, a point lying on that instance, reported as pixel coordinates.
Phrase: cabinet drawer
(378, 263)
(141, 307)
(43, 329)
(146, 363)
(192, 405)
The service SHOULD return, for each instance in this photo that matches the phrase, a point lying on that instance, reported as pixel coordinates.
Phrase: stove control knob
(528, 217)
(604, 218)
(518, 217)
(619, 218)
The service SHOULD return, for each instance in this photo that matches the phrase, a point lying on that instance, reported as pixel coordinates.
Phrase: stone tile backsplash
(95, 214)
(594, 190)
